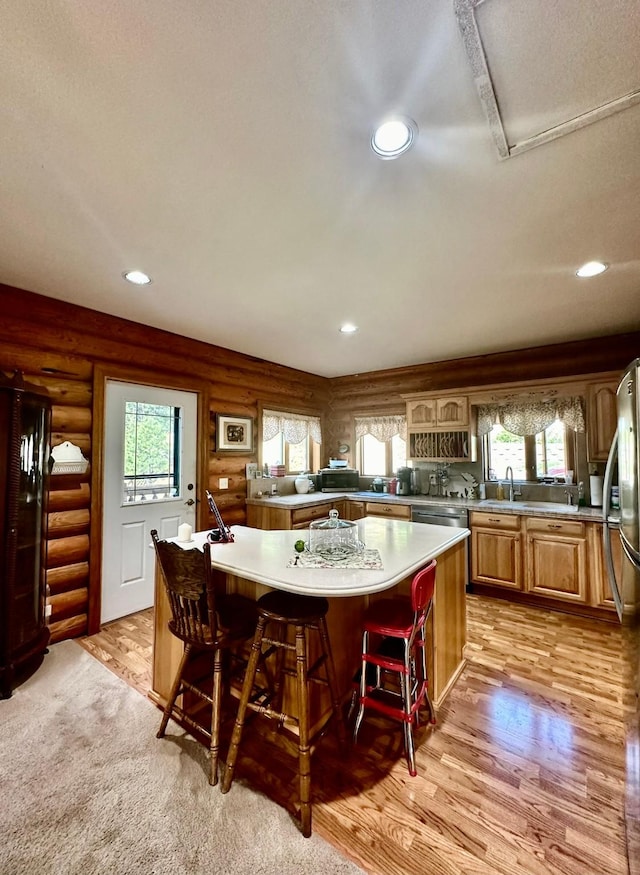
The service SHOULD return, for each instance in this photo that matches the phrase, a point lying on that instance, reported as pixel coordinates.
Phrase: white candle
(184, 532)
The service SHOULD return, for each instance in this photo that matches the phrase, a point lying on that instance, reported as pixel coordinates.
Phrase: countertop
(521, 508)
(262, 556)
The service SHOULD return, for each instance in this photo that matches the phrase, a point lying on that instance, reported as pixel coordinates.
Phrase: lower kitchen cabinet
(269, 517)
(355, 510)
(543, 560)
(301, 517)
(392, 511)
(556, 559)
(601, 595)
(496, 549)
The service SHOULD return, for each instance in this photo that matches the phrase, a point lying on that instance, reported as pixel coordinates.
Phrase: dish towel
(369, 558)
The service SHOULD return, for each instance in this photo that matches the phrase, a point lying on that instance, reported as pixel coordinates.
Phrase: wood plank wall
(57, 345)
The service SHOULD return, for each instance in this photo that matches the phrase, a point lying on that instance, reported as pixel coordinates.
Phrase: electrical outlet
(223, 483)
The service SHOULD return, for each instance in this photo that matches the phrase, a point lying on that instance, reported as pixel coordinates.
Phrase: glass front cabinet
(25, 418)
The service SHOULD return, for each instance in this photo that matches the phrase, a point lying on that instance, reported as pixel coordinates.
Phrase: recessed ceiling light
(591, 268)
(348, 328)
(137, 277)
(394, 137)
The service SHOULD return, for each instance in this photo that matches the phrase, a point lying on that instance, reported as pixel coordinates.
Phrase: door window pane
(152, 434)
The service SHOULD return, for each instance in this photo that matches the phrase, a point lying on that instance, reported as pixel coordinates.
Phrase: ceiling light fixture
(137, 277)
(348, 328)
(394, 137)
(591, 268)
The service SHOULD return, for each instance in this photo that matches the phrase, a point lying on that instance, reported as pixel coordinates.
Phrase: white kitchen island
(257, 560)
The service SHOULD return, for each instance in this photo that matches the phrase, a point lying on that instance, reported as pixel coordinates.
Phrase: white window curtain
(531, 417)
(382, 427)
(295, 427)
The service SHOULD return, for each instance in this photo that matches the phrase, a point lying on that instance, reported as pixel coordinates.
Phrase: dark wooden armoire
(25, 421)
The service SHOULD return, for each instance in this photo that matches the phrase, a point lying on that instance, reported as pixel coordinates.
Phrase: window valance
(294, 426)
(382, 427)
(531, 417)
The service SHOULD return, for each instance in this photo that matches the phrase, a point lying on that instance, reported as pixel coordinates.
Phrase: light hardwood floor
(523, 773)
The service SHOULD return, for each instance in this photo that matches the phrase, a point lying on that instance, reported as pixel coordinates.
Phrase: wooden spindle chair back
(189, 587)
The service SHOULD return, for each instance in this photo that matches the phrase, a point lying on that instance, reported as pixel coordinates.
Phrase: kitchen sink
(541, 504)
(553, 506)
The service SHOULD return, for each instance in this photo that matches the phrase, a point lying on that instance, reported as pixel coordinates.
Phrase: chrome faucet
(509, 476)
(569, 495)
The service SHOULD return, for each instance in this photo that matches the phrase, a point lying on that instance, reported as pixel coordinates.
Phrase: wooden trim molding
(127, 374)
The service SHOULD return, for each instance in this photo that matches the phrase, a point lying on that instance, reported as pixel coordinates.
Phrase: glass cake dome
(334, 538)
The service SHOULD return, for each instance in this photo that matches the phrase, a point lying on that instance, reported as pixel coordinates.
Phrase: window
(550, 453)
(291, 439)
(381, 458)
(381, 445)
(151, 451)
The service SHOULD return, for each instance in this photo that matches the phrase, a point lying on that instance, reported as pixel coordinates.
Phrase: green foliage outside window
(151, 451)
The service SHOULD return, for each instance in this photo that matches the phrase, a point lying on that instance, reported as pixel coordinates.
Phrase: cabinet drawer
(570, 528)
(398, 511)
(507, 521)
(308, 514)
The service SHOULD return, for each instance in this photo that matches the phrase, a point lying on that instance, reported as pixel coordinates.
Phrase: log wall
(58, 346)
(380, 391)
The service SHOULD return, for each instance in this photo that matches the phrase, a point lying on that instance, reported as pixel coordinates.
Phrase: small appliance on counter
(339, 479)
(404, 481)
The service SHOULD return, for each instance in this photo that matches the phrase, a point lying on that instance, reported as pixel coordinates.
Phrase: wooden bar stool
(206, 622)
(393, 677)
(305, 614)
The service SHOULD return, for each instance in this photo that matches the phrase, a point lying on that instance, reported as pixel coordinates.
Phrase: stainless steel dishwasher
(443, 515)
(440, 515)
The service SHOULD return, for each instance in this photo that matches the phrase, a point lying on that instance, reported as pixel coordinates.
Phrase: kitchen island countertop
(262, 556)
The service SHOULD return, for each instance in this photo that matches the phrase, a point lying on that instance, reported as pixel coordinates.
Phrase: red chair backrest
(422, 587)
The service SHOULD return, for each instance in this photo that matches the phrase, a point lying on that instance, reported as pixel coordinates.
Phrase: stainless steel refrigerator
(624, 522)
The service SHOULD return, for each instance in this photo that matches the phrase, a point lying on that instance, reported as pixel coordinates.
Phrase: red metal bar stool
(305, 614)
(393, 677)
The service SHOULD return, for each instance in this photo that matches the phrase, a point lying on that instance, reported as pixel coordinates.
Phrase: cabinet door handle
(493, 520)
(554, 526)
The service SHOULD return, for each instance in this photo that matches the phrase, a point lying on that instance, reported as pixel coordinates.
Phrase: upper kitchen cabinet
(439, 428)
(438, 412)
(602, 419)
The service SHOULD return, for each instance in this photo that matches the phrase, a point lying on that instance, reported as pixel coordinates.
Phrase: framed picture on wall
(234, 433)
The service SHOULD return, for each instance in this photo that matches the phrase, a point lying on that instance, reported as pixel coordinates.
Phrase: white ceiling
(222, 146)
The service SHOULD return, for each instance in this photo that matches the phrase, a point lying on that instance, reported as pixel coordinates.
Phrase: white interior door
(149, 483)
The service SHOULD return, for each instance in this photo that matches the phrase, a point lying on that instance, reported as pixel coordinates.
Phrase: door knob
(189, 502)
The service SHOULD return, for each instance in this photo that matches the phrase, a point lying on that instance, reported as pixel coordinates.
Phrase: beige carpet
(87, 789)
